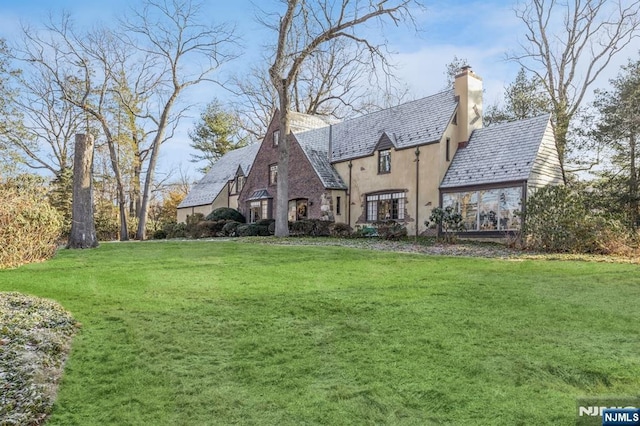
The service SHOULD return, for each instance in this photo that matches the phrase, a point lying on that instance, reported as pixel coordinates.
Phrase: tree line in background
(123, 85)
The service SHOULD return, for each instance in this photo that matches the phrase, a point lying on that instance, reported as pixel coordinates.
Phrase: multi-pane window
(487, 210)
(258, 210)
(298, 209)
(389, 206)
(273, 174)
(384, 161)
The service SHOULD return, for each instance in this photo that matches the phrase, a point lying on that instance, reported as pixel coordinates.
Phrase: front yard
(214, 332)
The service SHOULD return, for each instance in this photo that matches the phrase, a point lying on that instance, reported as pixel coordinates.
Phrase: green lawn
(197, 333)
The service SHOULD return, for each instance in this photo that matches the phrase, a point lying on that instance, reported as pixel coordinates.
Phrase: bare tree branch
(570, 57)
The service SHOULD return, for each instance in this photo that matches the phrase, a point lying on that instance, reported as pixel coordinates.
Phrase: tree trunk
(282, 200)
(141, 232)
(83, 228)
(633, 183)
(122, 199)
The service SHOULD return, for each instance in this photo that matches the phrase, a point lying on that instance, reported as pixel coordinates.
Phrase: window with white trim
(386, 206)
(258, 209)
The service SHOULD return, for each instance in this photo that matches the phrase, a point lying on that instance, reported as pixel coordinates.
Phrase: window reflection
(487, 210)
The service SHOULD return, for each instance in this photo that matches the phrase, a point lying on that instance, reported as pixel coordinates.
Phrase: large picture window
(487, 210)
(388, 206)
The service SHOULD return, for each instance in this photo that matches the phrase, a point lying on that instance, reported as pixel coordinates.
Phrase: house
(488, 181)
(221, 185)
(400, 163)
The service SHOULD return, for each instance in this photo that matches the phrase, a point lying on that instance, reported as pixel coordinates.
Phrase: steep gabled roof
(207, 189)
(403, 126)
(504, 152)
(315, 144)
(413, 123)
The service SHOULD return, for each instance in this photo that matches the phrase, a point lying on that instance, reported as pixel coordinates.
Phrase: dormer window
(276, 138)
(384, 161)
(239, 183)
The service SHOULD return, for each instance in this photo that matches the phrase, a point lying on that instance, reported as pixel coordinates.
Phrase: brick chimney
(468, 88)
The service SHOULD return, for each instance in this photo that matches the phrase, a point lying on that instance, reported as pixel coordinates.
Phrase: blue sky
(482, 31)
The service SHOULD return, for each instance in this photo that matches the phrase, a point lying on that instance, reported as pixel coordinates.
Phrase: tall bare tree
(304, 28)
(80, 64)
(568, 45)
(335, 81)
(187, 52)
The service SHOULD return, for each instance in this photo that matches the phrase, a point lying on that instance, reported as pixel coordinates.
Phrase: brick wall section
(303, 180)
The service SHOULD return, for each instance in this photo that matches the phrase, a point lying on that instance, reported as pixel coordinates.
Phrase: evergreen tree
(524, 98)
(214, 135)
(618, 129)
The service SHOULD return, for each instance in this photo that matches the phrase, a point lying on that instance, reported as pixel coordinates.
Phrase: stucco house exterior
(400, 163)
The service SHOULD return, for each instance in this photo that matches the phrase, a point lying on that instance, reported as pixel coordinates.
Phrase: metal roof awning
(260, 194)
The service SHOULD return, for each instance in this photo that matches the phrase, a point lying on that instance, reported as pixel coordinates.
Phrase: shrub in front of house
(310, 228)
(447, 220)
(229, 228)
(557, 220)
(176, 230)
(192, 230)
(252, 230)
(391, 230)
(226, 213)
(269, 223)
(340, 230)
(159, 234)
(210, 228)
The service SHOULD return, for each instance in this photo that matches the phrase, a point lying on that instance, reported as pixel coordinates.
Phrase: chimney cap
(466, 68)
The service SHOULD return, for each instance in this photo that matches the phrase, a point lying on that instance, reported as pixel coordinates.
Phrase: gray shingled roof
(500, 153)
(207, 189)
(315, 144)
(407, 125)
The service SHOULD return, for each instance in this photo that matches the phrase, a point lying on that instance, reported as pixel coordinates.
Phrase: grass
(198, 333)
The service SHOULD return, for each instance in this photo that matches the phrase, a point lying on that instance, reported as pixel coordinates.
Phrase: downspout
(417, 190)
(349, 195)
